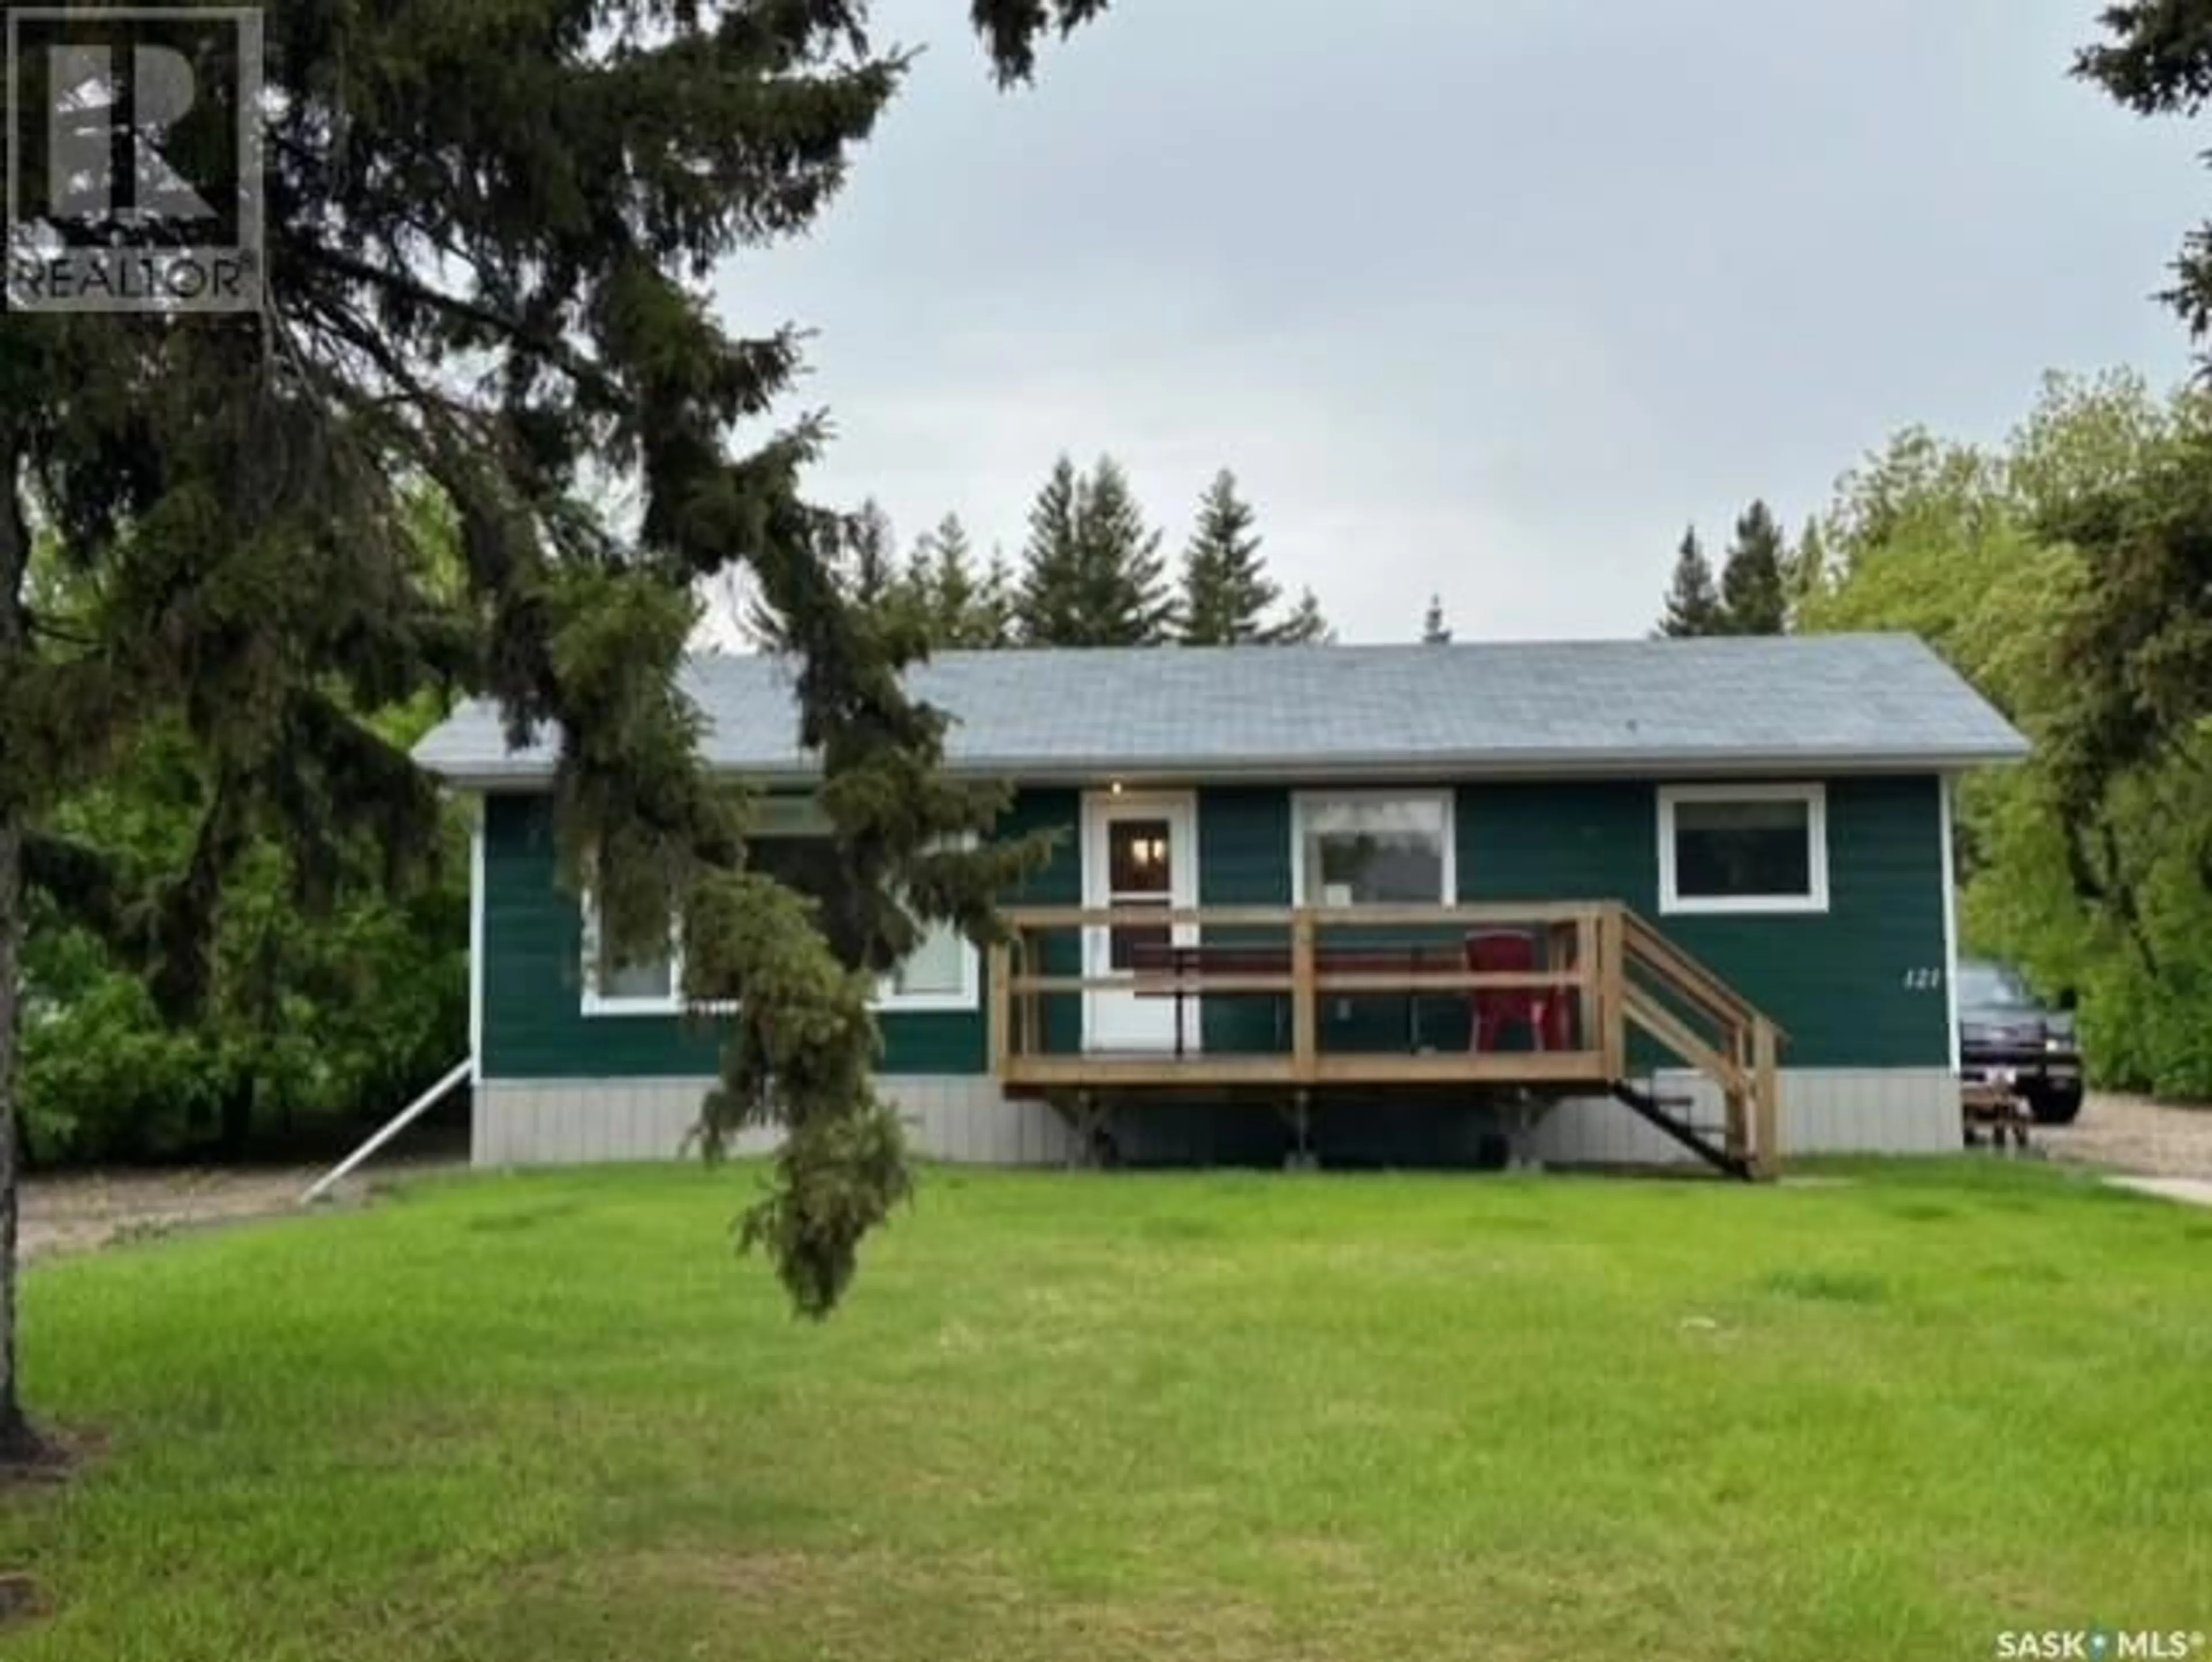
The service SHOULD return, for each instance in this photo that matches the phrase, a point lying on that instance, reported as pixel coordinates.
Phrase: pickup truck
(2010, 1037)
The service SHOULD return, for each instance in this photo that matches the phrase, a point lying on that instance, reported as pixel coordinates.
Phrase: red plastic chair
(1542, 1011)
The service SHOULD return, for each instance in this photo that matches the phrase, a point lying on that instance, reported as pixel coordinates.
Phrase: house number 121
(1922, 981)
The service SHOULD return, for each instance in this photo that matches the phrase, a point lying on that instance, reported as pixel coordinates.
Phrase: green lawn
(1173, 1417)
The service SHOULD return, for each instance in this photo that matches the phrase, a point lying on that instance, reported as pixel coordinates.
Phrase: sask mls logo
(134, 182)
(2100, 1645)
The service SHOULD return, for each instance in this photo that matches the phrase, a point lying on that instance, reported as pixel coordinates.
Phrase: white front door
(1140, 853)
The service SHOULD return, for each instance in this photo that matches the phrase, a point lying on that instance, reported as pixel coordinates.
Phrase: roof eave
(520, 773)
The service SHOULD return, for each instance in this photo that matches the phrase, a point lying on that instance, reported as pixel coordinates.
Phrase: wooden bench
(2000, 1110)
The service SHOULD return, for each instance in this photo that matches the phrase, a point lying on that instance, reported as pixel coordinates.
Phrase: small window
(1373, 848)
(651, 985)
(939, 974)
(1743, 848)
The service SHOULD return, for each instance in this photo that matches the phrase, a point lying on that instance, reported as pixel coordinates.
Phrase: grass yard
(550, 1417)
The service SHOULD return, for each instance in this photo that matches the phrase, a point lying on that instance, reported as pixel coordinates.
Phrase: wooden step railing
(1692, 1012)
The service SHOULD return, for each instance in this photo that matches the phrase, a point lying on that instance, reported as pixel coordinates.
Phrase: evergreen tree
(1049, 600)
(1434, 632)
(1807, 574)
(2154, 57)
(855, 553)
(1693, 600)
(1126, 599)
(870, 558)
(995, 609)
(1755, 594)
(1093, 572)
(944, 583)
(1305, 626)
(1226, 593)
(959, 607)
(233, 493)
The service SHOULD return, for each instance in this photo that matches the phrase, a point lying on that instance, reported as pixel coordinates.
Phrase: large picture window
(1372, 848)
(1743, 848)
(789, 841)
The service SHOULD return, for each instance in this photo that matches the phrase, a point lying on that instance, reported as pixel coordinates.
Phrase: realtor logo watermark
(2101, 1644)
(134, 175)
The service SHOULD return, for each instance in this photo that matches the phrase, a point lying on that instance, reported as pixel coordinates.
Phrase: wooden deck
(1600, 973)
(1105, 1068)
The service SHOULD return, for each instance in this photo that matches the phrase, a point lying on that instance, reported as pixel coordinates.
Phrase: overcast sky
(1482, 298)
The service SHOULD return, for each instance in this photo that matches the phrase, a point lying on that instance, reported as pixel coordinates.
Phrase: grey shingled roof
(1722, 706)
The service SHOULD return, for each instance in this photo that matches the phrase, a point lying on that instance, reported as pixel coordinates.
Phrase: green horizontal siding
(1059, 883)
(534, 1027)
(1242, 835)
(1841, 982)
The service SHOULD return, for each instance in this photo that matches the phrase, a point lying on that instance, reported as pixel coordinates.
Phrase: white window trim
(1815, 799)
(598, 1003)
(968, 996)
(476, 939)
(1946, 789)
(1303, 803)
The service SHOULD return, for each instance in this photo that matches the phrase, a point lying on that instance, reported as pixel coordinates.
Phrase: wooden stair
(1667, 995)
(1657, 1111)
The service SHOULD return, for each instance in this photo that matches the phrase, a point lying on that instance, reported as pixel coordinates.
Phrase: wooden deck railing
(1600, 973)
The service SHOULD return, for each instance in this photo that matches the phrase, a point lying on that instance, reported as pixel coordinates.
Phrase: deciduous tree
(2055, 574)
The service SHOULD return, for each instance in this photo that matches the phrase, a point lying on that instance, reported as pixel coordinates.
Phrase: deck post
(1766, 1082)
(1613, 977)
(1086, 1117)
(1300, 1116)
(1029, 958)
(1589, 1006)
(1305, 1025)
(1002, 1009)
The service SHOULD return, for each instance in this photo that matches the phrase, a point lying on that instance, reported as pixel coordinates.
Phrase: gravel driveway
(79, 1213)
(2134, 1134)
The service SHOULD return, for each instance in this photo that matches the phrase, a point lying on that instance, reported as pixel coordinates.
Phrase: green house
(1402, 891)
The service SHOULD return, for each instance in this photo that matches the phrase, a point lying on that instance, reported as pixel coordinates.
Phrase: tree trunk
(19, 1443)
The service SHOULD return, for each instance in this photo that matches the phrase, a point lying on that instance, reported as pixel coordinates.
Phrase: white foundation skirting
(1824, 1111)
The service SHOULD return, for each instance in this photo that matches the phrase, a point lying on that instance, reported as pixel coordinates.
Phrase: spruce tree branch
(578, 367)
(186, 913)
(448, 428)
